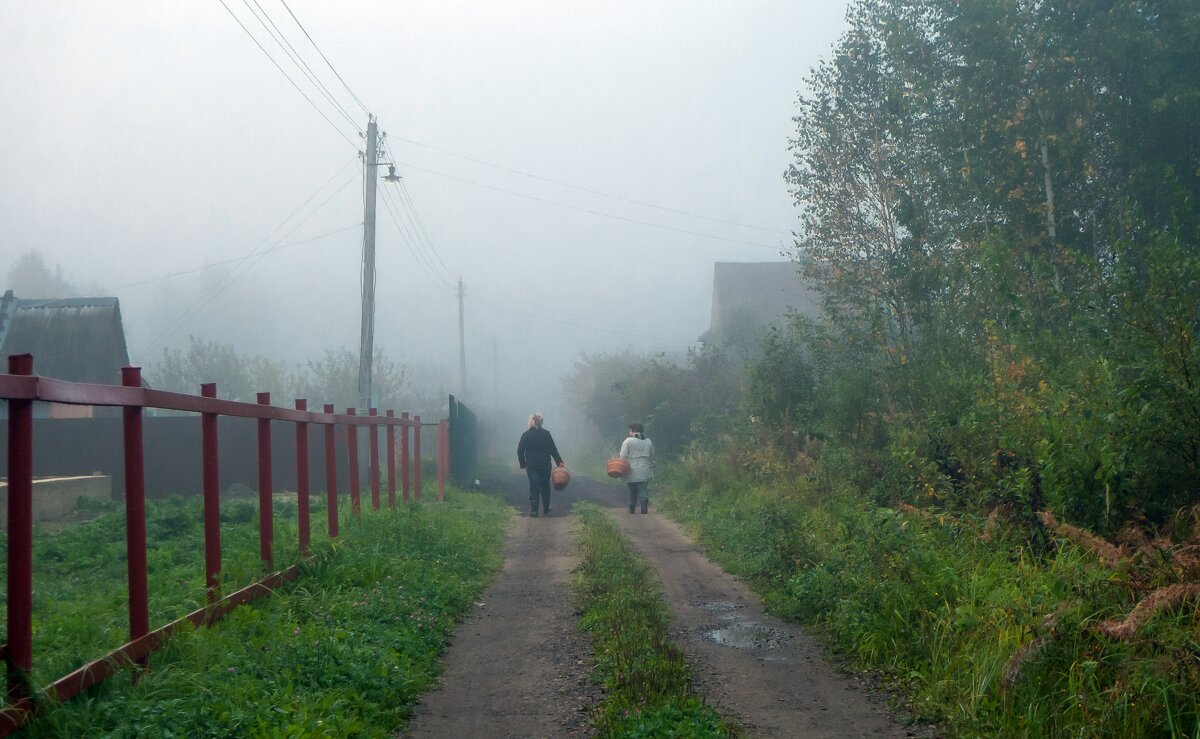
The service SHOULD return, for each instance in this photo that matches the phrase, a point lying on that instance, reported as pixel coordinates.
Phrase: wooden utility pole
(366, 338)
(462, 345)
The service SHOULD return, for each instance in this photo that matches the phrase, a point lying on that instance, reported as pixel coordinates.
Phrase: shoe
(546, 512)
(645, 505)
(533, 513)
(633, 509)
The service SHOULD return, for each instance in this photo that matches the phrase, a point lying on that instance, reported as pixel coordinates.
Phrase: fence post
(404, 476)
(266, 514)
(302, 512)
(331, 473)
(135, 510)
(352, 453)
(18, 651)
(212, 498)
(417, 457)
(391, 461)
(373, 470)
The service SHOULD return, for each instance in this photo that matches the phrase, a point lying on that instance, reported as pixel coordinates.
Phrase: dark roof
(766, 289)
(77, 339)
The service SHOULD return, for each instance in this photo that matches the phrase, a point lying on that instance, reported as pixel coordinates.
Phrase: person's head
(535, 421)
(636, 429)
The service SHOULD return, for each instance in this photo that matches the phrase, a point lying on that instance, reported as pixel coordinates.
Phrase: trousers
(539, 487)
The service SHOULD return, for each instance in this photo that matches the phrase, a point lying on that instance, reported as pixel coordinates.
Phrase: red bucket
(559, 478)
(617, 467)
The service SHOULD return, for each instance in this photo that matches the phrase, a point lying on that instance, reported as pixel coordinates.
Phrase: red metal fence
(21, 388)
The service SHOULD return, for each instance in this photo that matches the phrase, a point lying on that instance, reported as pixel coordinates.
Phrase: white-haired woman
(534, 453)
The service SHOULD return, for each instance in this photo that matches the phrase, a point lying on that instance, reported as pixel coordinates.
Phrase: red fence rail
(21, 388)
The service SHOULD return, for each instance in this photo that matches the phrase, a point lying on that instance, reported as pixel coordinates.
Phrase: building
(76, 339)
(749, 296)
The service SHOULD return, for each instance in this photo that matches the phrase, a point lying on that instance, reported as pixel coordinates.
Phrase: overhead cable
(282, 41)
(602, 214)
(327, 62)
(286, 75)
(589, 190)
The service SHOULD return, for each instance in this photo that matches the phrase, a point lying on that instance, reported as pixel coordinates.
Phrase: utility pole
(462, 345)
(366, 339)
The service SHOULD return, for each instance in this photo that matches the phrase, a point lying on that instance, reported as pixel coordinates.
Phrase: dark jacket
(536, 448)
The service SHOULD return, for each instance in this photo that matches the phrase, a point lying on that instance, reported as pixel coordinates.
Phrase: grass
(982, 635)
(342, 651)
(646, 677)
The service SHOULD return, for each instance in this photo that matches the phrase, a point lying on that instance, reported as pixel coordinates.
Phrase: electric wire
(282, 41)
(602, 214)
(327, 62)
(212, 265)
(591, 326)
(406, 197)
(286, 75)
(412, 243)
(591, 191)
(414, 216)
(249, 262)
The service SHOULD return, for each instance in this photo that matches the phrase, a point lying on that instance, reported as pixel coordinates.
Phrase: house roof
(767, 290)
(76, 339)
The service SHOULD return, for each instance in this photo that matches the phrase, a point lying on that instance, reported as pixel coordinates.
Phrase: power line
(330, 64)
(412, 208)
(414, 246)
(593, 212)
(590, 191)
(281, 39)
(603, 328)
(256, 255)
(285, 74)
(212, 265)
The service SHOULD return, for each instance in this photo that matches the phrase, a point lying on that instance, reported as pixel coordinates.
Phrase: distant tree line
(1000, 207)
(332, 378)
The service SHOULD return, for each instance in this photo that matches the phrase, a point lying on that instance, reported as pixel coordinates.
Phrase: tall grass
(342, 651)
(981, 633)
(646, 676)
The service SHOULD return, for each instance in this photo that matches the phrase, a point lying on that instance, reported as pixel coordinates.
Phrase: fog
(580, 166)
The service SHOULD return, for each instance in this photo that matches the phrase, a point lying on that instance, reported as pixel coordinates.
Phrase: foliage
(980, 632)
(342, 651)
(646, 676)
(331, 379)
(1007, 254)
(676, 401)
(30, 277)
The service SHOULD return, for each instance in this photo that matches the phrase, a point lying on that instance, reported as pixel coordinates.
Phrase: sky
(580, 166)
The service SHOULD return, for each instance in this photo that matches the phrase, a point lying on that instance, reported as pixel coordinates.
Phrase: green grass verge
(645, 675)
(342, 651)
(981, 635)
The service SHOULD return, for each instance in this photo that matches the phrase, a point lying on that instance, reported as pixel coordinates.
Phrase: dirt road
(519, 667)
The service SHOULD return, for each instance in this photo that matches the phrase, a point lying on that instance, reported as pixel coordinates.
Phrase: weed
(646, 676)
(342, 651)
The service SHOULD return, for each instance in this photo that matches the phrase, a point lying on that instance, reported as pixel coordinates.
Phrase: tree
(30, 277)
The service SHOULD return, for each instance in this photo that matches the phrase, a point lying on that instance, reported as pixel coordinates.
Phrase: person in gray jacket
(638, 451)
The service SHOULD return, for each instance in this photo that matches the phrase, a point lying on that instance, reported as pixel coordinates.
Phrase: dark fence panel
(80, 446)
(464, 443)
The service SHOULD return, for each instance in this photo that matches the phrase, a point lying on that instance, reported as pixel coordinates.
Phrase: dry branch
(1107, 552)
(1157, 601)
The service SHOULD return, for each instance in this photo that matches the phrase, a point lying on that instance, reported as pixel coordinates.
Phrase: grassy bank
(646, 677)
(342, 651)
(981, 633)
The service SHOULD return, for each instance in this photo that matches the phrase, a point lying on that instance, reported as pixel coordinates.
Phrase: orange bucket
(617, 467)
(559, 477)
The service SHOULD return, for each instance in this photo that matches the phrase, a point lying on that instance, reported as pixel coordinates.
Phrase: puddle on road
(743, 636)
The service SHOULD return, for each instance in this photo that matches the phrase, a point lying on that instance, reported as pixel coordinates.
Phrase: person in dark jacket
(534, 452)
